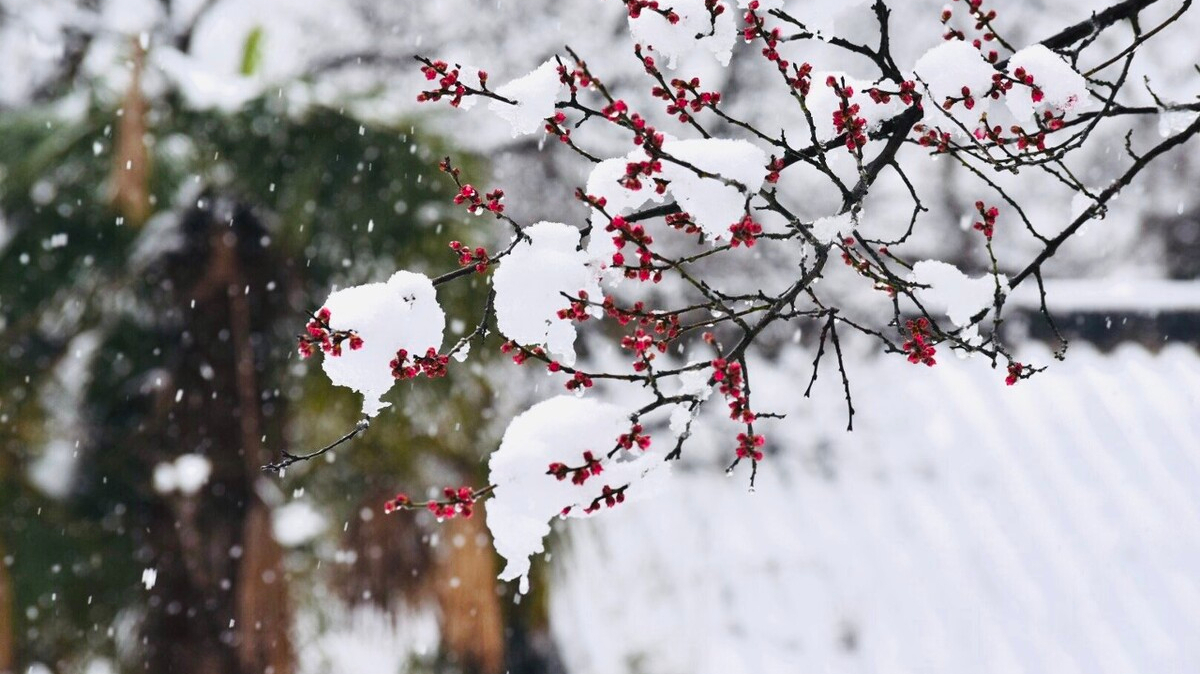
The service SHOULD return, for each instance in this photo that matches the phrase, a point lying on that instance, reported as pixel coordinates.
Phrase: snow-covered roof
(1113, 295)
(1052, 526)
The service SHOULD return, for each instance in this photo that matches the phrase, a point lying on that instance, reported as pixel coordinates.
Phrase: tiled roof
(964, 526)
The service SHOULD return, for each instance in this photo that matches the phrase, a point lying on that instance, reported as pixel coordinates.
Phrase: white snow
(337, 638)
(1171, 123)
(763, 5)
(191, 473)
(604, 181)
(291, 38)
(400, 314)
(828, 229)
(822, 102)
(650, 29)
(130, 17)
(527, 499)
(53, 471)
(952, 291)
(691, 383)
(1064, 89)
(964, 525)
(713, 204)
(149, 578)
(820, 16)
(949, 67)
(202, 87)
(535, 94)
(1116, 295)
(296, 523)
(529, 285)
(186, 474)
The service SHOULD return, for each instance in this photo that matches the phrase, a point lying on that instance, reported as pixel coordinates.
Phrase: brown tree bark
(129, 188)
(221, 603)
(393, 563)
(264, 643)
(396, 565)
(263, 606)
(471, 622)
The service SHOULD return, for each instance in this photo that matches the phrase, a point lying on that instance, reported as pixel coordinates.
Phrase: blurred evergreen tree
(136, 344)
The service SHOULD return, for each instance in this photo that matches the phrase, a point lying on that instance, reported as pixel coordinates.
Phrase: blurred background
(182, 180)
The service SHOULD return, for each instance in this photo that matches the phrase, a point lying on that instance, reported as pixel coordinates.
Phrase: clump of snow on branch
(1063, 89)
(823, 101)
(953, 66)
(763, 5)
(713, 203)
(527, 499)
(952, 291)
(832, 227)
(530, 285)
(674, 40)
(820, 16)
(535, 95)
(1175, 121)
(400, 314)
(605, 181)
(691, 383)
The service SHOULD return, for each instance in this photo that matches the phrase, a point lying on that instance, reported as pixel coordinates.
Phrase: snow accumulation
(1171, 123)
(605, 181)
(400, 314)
(54, 470)
(713, 204)
(203, 88)
(952, 291)
(763, 5)
(830, 228)
(530, 284)
(952, 65)
(290, 37)
(820, 16)
(336, 638)
(527, 499)
(1050, 526)
(691, 383)
(823, 101)
(1115, 295)
(130, 17)
(674, 40)
(535, 94)
(1063, 89)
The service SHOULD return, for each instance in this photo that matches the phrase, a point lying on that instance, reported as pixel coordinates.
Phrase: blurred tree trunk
(129, 181)
(395, 564)
(7, 640)
(263, 607)
(262, 601)
(465, 581)
(224, 607)
(393, 560)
